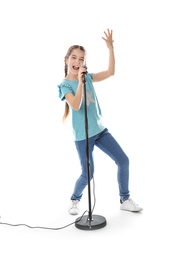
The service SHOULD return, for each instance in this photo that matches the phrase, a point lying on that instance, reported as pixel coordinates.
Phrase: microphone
(84, 67)
(84, 73)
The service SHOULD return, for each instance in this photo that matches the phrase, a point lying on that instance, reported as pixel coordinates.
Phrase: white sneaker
(74, 207)
(130, 205)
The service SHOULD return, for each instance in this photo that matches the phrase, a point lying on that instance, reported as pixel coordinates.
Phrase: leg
(110, 146)
(82, 181)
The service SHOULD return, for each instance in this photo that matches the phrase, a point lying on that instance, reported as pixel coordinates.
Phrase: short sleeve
(91, 76)
(64, 88)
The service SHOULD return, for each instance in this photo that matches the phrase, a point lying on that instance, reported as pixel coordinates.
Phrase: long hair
(66, 110)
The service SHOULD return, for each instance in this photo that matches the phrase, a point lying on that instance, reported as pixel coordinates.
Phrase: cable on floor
(51, 228)
(39, 227)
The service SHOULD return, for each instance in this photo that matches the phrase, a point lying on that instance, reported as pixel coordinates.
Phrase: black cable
(49, 228)
(39, 227)
(94, 194)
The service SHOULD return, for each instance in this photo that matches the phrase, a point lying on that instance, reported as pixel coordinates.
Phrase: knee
(123, 162)
(126, 160)
(86, 173)
(91, 170)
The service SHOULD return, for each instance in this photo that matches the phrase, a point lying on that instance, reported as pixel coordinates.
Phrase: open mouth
(75, 67)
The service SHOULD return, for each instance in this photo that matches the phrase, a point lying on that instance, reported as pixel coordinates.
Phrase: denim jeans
(106, 142)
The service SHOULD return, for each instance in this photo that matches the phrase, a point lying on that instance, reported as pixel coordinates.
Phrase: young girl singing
(71, 91)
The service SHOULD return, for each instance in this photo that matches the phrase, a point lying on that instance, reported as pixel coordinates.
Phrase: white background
(140, 104)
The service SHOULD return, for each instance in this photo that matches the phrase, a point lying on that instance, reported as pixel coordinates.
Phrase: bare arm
(75, 100)
(111, 67)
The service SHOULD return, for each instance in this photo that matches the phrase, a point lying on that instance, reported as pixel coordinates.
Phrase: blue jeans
(106, 142)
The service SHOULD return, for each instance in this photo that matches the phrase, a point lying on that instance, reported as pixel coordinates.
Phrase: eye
(73, 57)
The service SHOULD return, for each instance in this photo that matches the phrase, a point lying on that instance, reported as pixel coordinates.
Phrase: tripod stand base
(84, 223)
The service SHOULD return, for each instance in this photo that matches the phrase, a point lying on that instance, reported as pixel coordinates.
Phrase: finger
(109, 34)
(108, 31)
(106, 34)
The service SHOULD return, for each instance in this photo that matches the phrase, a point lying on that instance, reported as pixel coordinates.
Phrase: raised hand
(108, 38)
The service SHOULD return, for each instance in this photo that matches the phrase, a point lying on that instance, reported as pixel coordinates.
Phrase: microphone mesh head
(84, 66)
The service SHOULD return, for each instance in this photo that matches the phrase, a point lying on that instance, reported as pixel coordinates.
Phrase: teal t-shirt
(94, 115)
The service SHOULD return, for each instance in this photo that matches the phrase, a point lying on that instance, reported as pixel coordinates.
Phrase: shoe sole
(138, 210)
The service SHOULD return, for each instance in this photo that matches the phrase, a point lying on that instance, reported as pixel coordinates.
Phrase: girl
(71, 90)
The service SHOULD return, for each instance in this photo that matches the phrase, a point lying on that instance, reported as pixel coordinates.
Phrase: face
(75, 61)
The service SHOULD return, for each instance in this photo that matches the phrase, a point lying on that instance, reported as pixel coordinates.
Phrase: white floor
(151, 234)
(38, 161)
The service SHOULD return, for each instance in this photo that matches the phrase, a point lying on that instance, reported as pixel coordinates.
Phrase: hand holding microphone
(84, 67)
(84, 72)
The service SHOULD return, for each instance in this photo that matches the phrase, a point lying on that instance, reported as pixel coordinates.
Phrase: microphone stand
(90, 222)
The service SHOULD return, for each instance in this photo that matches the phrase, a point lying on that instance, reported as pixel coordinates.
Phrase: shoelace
(135, 204)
